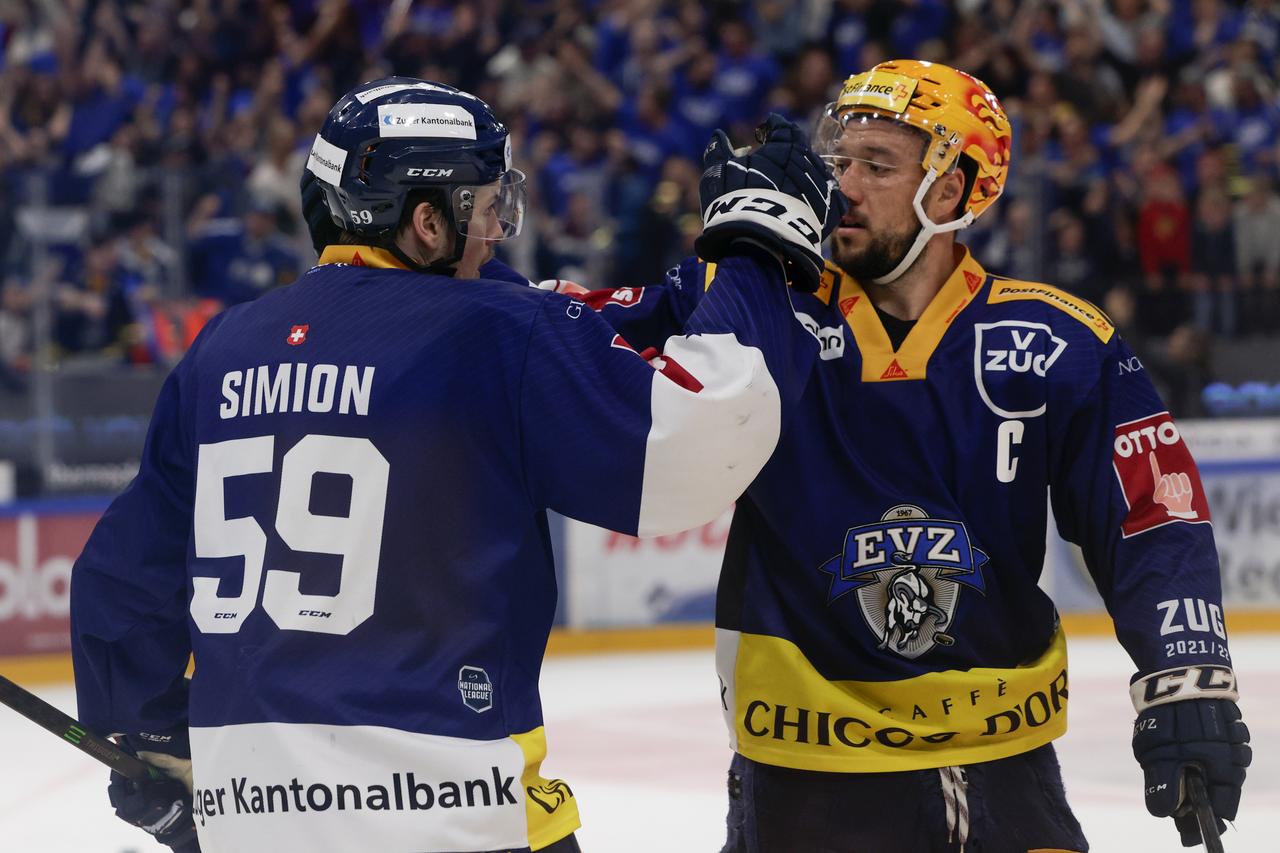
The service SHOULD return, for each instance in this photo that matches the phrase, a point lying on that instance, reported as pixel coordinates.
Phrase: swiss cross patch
(297, 335)
(1159, 478)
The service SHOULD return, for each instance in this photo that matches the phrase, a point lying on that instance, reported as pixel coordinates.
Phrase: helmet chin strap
(927, 229)
(447, 265)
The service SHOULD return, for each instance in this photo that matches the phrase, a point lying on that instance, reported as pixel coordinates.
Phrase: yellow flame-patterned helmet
(957, 111)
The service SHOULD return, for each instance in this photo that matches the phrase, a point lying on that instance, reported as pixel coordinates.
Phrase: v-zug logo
(1011, 359)
(907, 570)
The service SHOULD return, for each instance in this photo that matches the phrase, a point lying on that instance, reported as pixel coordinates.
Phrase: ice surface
(640, 739)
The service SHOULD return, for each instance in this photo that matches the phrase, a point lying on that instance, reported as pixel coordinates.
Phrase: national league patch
(1158, 475)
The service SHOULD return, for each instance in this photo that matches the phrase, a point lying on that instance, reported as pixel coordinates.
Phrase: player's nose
(851, 187)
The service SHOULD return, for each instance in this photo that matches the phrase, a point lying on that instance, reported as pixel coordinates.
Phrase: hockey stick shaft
(51, 719)
(1204, 811)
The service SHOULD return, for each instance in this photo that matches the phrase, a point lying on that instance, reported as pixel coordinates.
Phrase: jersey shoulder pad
(831, 275)
(829, 282)
(1005, 290)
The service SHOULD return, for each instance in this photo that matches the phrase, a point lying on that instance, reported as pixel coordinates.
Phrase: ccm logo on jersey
(1159, 478)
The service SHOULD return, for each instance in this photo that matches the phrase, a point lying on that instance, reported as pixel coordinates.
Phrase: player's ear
(943, 202)
(430, 228)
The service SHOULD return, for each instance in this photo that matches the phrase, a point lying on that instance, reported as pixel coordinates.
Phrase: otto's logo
(1159, 478)
(297, 335)
(1145, 436)
(476, 688)
(550, 796)
(1009, 359)
(907, 570)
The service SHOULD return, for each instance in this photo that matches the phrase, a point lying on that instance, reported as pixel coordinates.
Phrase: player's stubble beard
(878, 258)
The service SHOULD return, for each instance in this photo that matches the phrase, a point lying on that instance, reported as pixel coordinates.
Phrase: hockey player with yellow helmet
(892, 676)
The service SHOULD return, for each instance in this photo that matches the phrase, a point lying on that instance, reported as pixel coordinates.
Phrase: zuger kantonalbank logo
(907, 570)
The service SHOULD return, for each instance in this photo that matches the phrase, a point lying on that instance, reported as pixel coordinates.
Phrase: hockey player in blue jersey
(340, 510)
(891, 674)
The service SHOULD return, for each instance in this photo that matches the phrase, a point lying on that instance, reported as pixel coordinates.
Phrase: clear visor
(832, 124)
(828, 130)
(840, 151)
(491, 212)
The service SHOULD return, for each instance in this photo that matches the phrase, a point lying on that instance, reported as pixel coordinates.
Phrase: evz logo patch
(1011, 358)
(1159, 478)
(907, 570)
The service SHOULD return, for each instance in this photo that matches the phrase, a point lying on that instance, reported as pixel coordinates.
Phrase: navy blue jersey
(878, 607)
(341, 513)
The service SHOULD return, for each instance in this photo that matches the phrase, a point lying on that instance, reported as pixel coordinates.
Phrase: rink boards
(619, 592)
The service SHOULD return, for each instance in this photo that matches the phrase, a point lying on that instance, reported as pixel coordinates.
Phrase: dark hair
(969, 168)
(434, 196)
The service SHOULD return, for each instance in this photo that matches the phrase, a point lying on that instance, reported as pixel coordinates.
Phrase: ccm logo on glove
(1184, 682)
(767, 205)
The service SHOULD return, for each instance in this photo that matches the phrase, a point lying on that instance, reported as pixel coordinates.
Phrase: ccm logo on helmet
(428, 173)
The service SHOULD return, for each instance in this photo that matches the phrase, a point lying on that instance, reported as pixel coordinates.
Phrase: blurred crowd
(150, 149)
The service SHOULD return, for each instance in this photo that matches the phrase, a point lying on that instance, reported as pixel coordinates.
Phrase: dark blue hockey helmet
(389, 136)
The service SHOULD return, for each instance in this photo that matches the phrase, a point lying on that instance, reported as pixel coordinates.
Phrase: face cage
(491, 212)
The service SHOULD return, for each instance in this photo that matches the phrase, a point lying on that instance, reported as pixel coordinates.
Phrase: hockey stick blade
(1204, 811)
(51, 719)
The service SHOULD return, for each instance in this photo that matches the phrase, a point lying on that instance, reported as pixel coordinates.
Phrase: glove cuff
(785, 216)
(1197, 681)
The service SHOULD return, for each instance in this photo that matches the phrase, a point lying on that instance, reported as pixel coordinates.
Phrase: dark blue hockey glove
(1204, 733)
(161, 806)
(781, 196)
(315, 209)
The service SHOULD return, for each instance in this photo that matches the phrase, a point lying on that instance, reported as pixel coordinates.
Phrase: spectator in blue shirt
(237, 260)
(579, 168)
(745, 74)
(695, 98)
(1251, 122)
(653, 134)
